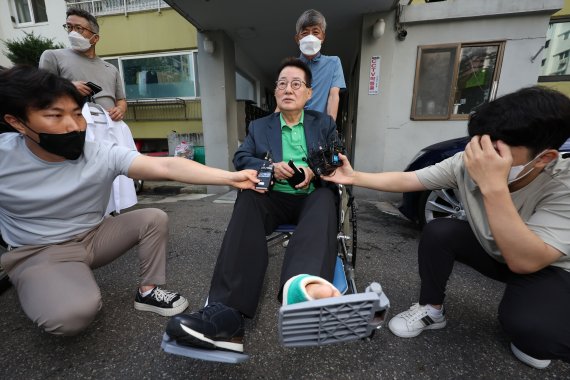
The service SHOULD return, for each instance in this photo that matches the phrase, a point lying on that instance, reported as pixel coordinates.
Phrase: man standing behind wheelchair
(272, 141)
(54, 190)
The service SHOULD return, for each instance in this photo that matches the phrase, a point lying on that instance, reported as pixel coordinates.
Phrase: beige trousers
(55, 283)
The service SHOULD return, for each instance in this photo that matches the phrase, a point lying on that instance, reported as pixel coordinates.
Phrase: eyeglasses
(295, 84)
(78, 28)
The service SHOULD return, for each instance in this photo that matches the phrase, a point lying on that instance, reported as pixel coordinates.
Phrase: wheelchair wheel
(349, 231)
(347, 238)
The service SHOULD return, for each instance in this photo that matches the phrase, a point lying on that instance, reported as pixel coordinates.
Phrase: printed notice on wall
(374, 83)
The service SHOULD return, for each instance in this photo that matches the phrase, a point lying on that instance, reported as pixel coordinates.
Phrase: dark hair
(86, 15)
(23, 88)
(296, 62)
(534, 117)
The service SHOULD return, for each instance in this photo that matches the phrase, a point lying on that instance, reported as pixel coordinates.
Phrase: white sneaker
(529, 360)
(413, 321)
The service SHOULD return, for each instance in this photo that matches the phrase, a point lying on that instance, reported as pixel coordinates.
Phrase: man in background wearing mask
(80, 64)
(513, 184)
(328, 78)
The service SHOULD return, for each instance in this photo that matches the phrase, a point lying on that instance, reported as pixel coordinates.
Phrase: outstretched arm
(188, 171)
(389, 181)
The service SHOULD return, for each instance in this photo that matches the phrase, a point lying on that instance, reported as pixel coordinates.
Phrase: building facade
(554, 59)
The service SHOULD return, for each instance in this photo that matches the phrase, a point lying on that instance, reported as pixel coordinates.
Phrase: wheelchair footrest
(170, 346)
(333, 320)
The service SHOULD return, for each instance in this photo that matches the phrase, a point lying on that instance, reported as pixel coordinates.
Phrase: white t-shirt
(543, 204)
(50, 202)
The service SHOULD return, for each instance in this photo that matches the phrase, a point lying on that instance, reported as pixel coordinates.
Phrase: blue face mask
(66, 145)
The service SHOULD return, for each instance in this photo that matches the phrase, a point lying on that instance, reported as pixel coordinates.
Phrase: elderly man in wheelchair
(279, 146)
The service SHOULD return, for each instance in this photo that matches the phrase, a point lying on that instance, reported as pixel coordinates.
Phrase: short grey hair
(311, 17)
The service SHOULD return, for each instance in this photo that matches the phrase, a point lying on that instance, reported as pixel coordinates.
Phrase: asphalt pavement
(125, 344)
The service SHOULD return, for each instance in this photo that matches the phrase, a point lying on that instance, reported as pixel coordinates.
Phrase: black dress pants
(242, 261)
(535, 307)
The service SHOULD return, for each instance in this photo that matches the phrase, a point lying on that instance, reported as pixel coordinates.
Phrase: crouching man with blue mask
(514, 186)
(53, 194)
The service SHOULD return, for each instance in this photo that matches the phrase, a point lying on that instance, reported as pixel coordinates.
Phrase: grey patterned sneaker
(413, 321)
(162, 302)
(529, 360)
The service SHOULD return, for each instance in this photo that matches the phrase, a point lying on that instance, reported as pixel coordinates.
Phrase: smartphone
(94, 88)
(298, 175)
(264, 175)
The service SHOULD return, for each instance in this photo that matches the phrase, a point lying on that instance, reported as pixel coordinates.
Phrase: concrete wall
(55, 10)
(219, 106)
(386, 137)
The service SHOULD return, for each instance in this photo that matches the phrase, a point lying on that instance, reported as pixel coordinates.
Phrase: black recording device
(94, 88)
(265, 174)
(325, 160)
(298, 175)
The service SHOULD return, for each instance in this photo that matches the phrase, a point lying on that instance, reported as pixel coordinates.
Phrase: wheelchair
(352, 316)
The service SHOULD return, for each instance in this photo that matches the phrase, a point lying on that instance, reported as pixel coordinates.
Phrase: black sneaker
(216, 326)
(162, 302)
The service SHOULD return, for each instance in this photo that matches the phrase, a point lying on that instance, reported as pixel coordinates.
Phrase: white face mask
(78, 42)
(516, 170)
(310, 45)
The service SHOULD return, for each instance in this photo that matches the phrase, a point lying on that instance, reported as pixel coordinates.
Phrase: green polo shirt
(294, 148)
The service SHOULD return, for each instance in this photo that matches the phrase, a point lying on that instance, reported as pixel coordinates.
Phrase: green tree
(28, 49)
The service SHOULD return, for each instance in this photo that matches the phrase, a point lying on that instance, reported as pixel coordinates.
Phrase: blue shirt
(327, 73)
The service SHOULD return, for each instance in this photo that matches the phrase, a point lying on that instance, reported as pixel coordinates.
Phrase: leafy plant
(28, 49)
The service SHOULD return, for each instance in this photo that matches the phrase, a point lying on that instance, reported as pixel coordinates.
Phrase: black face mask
(67, 145)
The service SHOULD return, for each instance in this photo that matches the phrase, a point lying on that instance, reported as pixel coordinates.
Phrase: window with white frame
(453, 79)
(155, 76)
(28, 12)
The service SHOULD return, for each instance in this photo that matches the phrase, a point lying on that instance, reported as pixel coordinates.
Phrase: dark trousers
(535, 307)
(242, 261)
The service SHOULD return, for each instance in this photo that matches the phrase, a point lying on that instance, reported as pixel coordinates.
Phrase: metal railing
(111, 7)
(163, 109)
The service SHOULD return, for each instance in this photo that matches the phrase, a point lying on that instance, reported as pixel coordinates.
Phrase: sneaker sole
(529, 360)
(159, 310)
(194, 338)
(411, 334)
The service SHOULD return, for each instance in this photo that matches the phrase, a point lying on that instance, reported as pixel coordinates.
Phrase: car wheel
(138, 185)
(439, 204)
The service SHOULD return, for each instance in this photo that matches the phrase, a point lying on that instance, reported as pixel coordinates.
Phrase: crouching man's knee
(154, 219)
(527, 331)
(70, 319)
